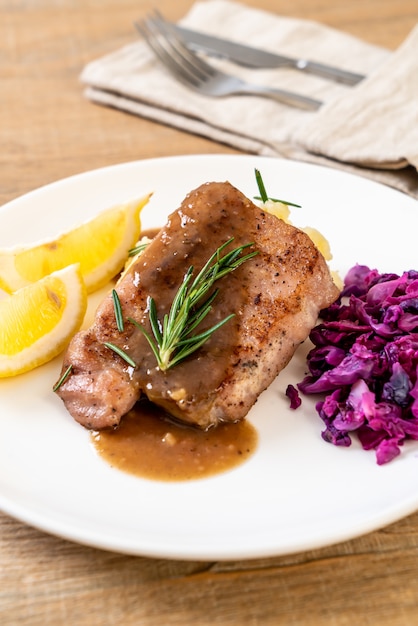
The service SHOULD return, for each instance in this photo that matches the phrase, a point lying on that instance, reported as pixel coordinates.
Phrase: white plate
(296, 492)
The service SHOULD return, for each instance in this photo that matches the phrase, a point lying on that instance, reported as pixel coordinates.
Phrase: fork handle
(281, 95)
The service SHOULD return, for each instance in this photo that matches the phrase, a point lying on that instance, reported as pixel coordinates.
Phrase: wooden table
(47, 132)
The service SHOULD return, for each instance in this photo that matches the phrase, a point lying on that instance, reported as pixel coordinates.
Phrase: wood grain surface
(49, 131)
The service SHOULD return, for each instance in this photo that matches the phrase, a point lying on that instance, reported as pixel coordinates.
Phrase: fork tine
(176, 49)
(194, 61)
(166, 54)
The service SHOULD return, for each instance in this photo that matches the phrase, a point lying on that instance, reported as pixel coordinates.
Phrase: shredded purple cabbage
(365, 361)
(294, 397)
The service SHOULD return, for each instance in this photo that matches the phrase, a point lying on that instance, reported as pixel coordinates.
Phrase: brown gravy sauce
(151, 445)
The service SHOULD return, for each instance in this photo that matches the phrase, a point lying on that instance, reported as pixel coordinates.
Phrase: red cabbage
(365, 362)
(294, 397)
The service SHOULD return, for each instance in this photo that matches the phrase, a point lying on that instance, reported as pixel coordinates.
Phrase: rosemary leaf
(207, 333)
(118, 311)
(260, 185)
(140, 247)
(63, 378)
(155, 324)
(280, 201)
(120, 352)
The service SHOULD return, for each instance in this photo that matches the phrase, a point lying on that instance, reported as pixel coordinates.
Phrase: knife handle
(327, 71)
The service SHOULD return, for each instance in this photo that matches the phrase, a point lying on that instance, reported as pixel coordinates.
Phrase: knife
(256, 58)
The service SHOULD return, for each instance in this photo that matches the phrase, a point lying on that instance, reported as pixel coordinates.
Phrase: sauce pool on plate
(150, 445)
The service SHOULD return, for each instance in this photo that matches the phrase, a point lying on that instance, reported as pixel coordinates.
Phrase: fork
(191, 70)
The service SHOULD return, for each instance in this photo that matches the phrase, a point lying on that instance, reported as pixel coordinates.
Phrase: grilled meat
(276, 297)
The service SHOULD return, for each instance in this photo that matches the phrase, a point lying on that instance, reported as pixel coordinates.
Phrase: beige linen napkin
(370, 129)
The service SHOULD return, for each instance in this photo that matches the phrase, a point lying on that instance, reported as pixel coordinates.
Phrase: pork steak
(275, 298)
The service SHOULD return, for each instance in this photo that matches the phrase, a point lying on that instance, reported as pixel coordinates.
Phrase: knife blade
(257, 58)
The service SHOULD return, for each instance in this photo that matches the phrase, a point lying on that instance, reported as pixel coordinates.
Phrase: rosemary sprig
(263, 193)
(172, 339)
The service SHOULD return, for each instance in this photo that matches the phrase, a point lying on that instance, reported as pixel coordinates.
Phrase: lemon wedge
(37, 321)
(100, 246)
